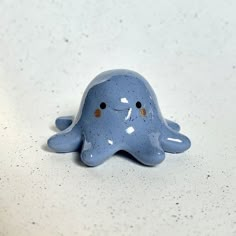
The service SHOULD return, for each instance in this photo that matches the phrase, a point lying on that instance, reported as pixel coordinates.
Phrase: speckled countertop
(50, 50)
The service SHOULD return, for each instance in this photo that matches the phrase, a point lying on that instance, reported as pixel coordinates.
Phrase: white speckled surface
(50, 50)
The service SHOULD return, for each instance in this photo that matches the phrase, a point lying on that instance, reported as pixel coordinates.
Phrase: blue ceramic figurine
(119, 111)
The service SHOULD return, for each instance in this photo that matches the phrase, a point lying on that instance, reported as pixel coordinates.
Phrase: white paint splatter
(124, 100)
(130, 130)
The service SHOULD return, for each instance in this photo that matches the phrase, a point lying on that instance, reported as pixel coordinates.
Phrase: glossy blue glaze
(119, 111)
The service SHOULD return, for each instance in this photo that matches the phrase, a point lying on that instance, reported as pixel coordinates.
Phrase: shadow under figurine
(119, 111)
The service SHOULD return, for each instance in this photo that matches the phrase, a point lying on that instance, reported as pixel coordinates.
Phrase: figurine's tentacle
(146, 151)
(174, 142)
(173, 125)
(66, 141)
(64, 122)
(94, 155)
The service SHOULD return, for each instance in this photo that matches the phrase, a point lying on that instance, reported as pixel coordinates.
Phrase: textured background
(50, 50)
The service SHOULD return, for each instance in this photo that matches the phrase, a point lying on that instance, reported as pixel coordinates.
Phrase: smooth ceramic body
(119, 111)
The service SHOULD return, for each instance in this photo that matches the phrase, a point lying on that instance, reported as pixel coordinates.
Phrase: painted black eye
(103, 105)
(138, 104)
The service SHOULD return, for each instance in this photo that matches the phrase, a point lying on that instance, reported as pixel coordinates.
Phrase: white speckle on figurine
(119, 111)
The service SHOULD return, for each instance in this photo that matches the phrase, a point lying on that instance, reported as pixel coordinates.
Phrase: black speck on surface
(66, 40)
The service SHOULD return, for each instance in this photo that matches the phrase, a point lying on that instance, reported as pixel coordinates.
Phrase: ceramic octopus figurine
(119, 111)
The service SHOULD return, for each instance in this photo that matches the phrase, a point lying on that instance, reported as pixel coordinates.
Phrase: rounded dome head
(120, 94)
